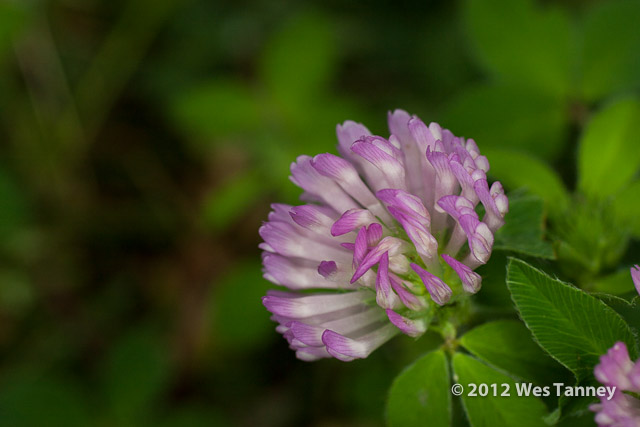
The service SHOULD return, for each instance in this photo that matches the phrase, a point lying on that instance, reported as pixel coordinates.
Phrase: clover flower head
(390, 233)
(616, 369)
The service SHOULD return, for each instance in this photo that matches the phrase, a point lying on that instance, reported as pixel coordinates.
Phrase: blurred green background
(143, 141)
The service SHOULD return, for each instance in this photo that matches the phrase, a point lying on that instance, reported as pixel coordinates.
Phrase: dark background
(142, 142)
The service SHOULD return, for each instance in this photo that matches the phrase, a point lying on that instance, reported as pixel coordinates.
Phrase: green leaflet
(421, 393)
(490, 410)
(572, 326)
(522, 231)
(609, 156)
(507, 345)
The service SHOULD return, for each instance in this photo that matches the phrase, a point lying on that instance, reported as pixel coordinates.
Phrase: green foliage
(626, 205)
(116, 112)
(193, 416)
(16, 292)
(609, 156)
(574, 406)
(271, 121)
(217, 109)
(611, 48)
(358, 381)
(520, 170)
(299, 61)
(507, 346)
(572, 326)
(421, 392)
(501, 116)
(617, 283)
(591, 229)
(589, 240)
(493, 410)
(30, 400)
(529, 108)
(540, 38)
(494, 294)
(14, 209)
(240, 321)
(13, 17)
(222, 206)
(135, 374)
(629, 310)
(523, 228)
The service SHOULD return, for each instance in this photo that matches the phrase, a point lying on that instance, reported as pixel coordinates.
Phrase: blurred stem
(53, 138)
(41, 140)
(118, 58)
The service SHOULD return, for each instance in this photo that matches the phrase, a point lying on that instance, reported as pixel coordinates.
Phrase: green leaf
(522, 231)
(507, 116)
(521, 42)
(625, 207)
(421, 392)
(574, 327)
(492, 410)
(589, 240)
(136, 372)
(507, 345)
(611, 48)
(575, 406)
(608, 156)
(515, 170)
(299, 61)
(616, 283)
(629, 310)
